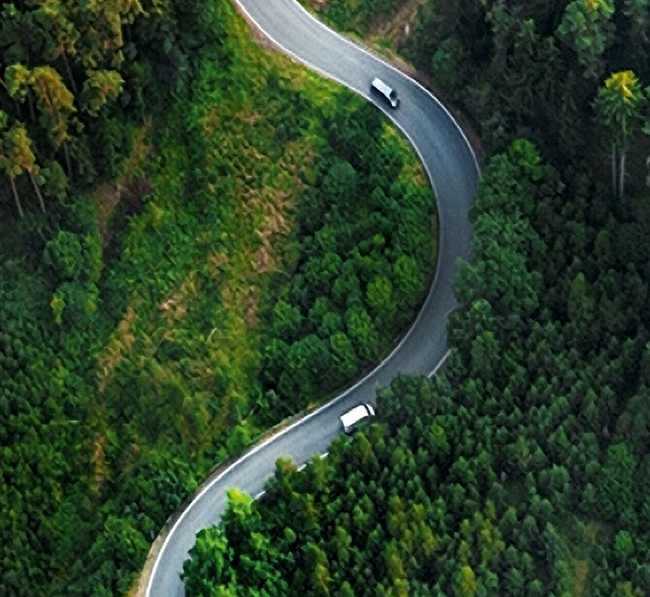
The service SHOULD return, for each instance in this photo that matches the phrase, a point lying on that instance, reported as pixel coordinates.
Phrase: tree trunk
(621, 174)
(67, 159)
(13, 188)
(38, 191)
(67, 66)
(31, 106)
(613, 170)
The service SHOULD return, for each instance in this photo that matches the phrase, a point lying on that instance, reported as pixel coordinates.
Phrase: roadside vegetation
(363, 254)
(358, 16)
(521, 468)
(209, 195)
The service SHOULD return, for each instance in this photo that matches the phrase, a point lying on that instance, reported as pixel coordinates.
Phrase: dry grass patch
(107, 197)
(247, 116)
(262, 218)
(139, 154)
(119, 346)
(98, 460)
(175, 307)
(580, 570)
(216, 260)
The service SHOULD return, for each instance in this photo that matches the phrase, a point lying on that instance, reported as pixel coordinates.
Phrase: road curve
(453, 172)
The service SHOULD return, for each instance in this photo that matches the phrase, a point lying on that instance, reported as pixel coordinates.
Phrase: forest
(522, 468)
(173, 199)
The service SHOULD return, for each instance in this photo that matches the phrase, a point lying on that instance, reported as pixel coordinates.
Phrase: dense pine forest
(187, 249)
(178, 273)
(523, 467)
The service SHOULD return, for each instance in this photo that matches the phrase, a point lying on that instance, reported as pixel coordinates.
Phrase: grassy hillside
(135, 317)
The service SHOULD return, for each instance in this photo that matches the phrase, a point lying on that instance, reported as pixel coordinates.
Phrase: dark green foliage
(63, 255)
(245, 559)
(533, 69)
(364, 539)
(618, 484)
(365, 246)
(526, 458)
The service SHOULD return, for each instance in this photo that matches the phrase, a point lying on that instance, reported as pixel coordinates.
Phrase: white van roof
(353, 416)
(381, 86)
(389, 94)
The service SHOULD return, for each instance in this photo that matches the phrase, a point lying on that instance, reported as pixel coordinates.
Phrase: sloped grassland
(136, 313)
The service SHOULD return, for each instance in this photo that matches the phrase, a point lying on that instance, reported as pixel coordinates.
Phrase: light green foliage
(363, 333)
(99, 88)
(366, 258)
(466, 585)
(408, 278)
(63, 255)
(623, 546)
(584, 29)
(380, 295)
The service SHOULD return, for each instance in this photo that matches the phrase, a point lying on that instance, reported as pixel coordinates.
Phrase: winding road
(453, 172)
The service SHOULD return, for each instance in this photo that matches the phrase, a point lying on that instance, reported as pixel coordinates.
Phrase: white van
(350, 419)
(389, 94)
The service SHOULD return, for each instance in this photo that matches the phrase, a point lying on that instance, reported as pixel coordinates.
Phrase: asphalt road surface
(453, 172)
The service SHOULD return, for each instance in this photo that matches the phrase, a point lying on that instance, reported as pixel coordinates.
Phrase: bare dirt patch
(269, 207)
(116, 197)
(580, 570)
(130, 186)
(108, 196)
